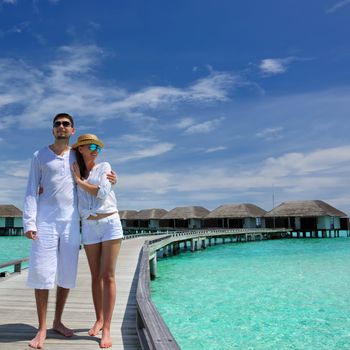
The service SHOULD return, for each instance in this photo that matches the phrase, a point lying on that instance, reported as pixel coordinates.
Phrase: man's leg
(58, 326)
(41, 298)
(68, 251)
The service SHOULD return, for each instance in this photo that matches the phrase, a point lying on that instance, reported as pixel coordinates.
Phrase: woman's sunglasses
(94, 147)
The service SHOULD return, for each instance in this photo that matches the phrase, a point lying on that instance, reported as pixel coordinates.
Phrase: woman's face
(90, 152)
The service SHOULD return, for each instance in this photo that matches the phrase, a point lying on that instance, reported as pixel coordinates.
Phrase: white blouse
(105, 202)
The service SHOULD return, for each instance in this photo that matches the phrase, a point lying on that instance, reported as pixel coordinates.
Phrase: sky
(198, 102)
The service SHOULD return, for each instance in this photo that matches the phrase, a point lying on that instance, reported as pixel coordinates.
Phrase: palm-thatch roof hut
(10, 220)
(184, 218)
(128, 218)
(235, 216)
(149, 218)
(309, 215)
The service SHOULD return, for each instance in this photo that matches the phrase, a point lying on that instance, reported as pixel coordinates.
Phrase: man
(51, 220)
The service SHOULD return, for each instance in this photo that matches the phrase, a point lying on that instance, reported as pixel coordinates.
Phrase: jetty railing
(17, 266)
(152, 331)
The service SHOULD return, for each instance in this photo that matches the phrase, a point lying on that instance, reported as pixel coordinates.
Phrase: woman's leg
(110, 251)
(93, 253)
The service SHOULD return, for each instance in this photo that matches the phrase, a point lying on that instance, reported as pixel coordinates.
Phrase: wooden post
(17, 267)
(153, 267)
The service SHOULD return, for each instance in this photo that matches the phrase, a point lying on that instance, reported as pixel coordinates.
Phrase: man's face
(62, 129)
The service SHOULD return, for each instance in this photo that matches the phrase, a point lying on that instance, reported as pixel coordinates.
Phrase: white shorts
(106, 229)
(54, 255)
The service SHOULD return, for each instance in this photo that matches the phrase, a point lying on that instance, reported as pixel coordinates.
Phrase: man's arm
(112, 177)
(30, 205)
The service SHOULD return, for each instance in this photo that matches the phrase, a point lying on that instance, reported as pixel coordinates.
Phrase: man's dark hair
(63, 115)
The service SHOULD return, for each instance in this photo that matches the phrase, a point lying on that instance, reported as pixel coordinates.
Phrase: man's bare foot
(106, 340)
(38, 341)
(95, 329)
(60, 328)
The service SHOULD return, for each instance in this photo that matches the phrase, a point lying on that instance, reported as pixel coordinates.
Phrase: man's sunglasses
(64, 123)
(94, 147)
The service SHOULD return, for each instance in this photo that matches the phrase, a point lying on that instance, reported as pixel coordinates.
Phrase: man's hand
(31, 235)
(76, 171)
(112, 177)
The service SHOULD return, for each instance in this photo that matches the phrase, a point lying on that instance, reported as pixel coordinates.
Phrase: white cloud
(270, 134)
(13, 2)
(215, 149)
(320, 174)
(271, 66)
(323, 161)
(145, 152)
(69, 81)
(294, 176)
(338, 5)
(16, 29)
(185, 123)
(203, 128)
(13, 181)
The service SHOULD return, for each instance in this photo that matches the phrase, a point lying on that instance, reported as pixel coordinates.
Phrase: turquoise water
(12, 248)
(281, 294)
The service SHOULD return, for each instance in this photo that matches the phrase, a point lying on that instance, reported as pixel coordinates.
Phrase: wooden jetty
(136, 322)
(18, 320)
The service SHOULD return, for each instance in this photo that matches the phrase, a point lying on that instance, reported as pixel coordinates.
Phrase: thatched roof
(9, 211)
(147, 214)
(305, 208)
(128, 214)
(186, 213)
(237, 211)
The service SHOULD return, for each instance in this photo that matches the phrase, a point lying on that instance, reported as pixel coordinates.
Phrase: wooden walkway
(18, 320)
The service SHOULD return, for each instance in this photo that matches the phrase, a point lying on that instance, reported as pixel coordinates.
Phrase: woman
(101, 229)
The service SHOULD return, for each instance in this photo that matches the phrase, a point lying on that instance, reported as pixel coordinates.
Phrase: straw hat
(88, 139)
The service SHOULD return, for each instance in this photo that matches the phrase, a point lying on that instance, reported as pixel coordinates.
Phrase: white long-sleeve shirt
(105, 202)
(58, 201)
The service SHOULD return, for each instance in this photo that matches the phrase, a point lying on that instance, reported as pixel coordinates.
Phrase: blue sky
(198, 102)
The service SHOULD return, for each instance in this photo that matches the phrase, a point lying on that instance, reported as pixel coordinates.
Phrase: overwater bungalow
(309, 216)
(184, 218)
(149, 218)
(11, 223)
(128, 218)
(236, 216)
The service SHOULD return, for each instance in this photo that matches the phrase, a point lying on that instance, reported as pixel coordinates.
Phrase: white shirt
(105, 202)
(58, 201)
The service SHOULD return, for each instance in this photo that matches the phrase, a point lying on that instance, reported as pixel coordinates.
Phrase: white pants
(54, 255)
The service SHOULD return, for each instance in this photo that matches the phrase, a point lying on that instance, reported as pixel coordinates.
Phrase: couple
(64, 185)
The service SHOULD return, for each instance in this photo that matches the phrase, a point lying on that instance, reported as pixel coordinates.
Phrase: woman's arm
(92, 189)
(105, 186)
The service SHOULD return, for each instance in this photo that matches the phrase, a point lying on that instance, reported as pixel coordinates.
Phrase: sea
(266, 295)
(12, 248)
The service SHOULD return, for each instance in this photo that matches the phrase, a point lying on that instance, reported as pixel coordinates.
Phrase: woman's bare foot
(106, 340)
(96, 328)
(38, 341)
(60, 328)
